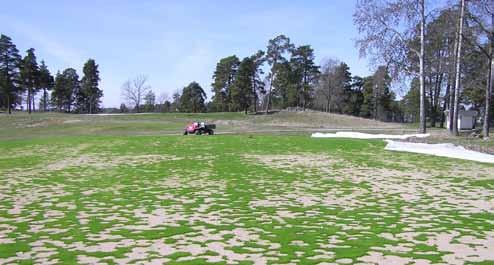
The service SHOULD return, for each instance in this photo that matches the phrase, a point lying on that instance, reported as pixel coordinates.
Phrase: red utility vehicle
(199, 128)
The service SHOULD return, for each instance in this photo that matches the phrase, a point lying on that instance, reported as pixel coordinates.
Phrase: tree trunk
(44, 99)
(254, 94)
(29, 100)
(9, 106)
(328, 106)
(435, 105)
(270, 87)
(32, 101)
(445, 104)
(450, 106)
(268, 96)
(431, 99)
(490, 81)
(374, 108)
(422, 128)
(457, 77)
(488, 94)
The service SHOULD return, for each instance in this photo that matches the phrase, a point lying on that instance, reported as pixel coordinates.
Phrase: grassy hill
(22, 125)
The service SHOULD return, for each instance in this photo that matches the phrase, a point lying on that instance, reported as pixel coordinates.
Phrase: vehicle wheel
(185, 133)
(211, 132)
(198, 132)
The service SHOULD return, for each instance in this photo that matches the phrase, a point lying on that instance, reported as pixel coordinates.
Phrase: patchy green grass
(246, 199)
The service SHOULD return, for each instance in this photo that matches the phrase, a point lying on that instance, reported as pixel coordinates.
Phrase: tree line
(22, 78)
(445, 55)
(292, 80)
(446, 51)
(441, 57)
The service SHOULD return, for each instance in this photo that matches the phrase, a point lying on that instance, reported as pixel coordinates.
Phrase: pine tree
(193, 98)
(167, 106)
(257, 83)
(285, 90)
(355, 96)
(46, 83)
(276, 49)
(366, 110)
(411, 102)
(58, 91)
(382, 94)
(175, 106)
(342, 83)
(10, 61)
(149, 101)
(243, 87)
(67, 86)
(224, 77)
(72, 86)
(306, 72)
(30, 75)
(123, 108)
(90, 94)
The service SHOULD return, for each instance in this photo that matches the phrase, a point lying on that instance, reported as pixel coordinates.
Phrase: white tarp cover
(359, 135)
(445, 150)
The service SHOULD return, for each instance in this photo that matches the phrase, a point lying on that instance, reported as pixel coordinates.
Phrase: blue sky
(174, 42)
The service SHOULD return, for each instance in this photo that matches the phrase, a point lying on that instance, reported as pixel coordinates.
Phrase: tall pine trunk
(432, 114)
(490, 83)
(376, 99)
(445, 104)
(29, 100)
(270, 86)
(254, 94)
(9, 106)
(457, 71)
(437, 91)
(422, 128)
(488, 92)
(44, 99)
(268, 97)
(328, 105)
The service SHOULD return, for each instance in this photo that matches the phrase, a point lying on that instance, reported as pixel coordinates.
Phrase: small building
(466, 119)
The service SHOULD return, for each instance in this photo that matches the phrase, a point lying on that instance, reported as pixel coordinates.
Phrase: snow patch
(444, 150)
(359, 135)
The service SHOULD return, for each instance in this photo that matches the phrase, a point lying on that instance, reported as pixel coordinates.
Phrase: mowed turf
(40, 125)
(239, 200)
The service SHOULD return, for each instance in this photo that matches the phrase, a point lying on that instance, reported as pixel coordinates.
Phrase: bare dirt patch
(100, 162)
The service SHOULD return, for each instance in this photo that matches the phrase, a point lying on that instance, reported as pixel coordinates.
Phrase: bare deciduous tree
(163, 97)
(482, 15)
(456, 106)
(326, 86)
(388, 28)
(133, 91)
